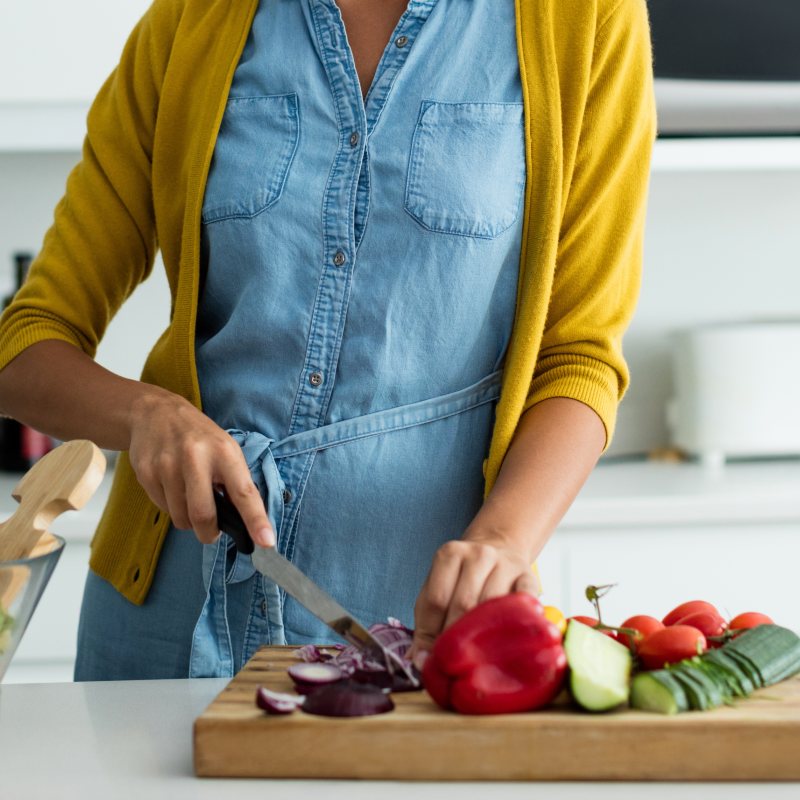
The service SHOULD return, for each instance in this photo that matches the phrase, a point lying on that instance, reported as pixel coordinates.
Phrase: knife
(268, 561)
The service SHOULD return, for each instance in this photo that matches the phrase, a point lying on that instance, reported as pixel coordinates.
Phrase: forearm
(57, 389)
(555, 447)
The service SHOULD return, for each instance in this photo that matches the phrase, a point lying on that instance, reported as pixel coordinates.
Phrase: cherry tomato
(684, 609)
(643, 624)
(593, 623)
(709, 623)
(670, 645)
(750, 619)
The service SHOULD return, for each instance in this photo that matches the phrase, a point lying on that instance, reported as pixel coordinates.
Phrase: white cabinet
(736, 567)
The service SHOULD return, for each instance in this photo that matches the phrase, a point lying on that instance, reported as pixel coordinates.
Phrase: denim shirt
(360, 266)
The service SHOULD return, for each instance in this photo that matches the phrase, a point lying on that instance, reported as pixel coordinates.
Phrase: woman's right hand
(179, 454)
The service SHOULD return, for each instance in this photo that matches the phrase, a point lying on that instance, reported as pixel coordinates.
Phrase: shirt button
(339, 258)
(264, 607)
(287, 495)
(401, 41)
(354, 137)
(315, 378)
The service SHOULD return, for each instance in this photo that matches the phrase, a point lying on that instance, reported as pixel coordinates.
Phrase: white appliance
(737, 390)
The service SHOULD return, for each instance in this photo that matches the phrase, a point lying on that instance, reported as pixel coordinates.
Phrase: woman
(403, 242)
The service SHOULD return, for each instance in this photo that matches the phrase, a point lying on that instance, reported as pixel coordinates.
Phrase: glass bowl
(21, 585)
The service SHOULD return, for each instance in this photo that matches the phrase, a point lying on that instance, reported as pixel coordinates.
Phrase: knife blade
(268, 561)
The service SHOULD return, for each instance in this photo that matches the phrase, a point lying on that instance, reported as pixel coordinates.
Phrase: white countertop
(618, 493)
(132, 740)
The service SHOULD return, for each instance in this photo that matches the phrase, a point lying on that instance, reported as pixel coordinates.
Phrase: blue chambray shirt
(360, 265)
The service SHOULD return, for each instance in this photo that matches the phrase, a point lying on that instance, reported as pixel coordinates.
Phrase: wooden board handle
(66, 478)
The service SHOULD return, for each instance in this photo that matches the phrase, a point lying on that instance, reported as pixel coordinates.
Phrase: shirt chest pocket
(466, 168)
(255, 146)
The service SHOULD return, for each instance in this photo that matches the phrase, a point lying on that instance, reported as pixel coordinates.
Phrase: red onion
(315, 674)
(347, 699)
(353, 662)
(277, 702)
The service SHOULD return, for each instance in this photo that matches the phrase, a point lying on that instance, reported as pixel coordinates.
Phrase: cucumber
(758, 657)
(702, 690)
(728, 683)
(600, 668)
(658, 691)
(773, 651)
(724, 662)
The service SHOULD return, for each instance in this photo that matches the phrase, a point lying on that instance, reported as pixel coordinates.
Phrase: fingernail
(265, 537)
(420, 658)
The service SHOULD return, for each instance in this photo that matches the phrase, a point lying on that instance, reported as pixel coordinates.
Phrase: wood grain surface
(757, 739)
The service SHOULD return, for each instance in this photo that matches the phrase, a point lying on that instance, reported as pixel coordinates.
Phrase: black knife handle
(230, 521)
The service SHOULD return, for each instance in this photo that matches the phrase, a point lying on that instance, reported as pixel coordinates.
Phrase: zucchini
(599, 668)
(726, 663)
(658, 691)
(773, 650)
(729, 684)
(702, 690)
(758, 657)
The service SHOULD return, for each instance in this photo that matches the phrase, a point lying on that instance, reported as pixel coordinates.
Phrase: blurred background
(699, 495)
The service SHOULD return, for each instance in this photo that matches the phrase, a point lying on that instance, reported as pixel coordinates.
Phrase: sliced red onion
(315, 673)
(311, 653)
(347, 699)
(353, 662)
(277, 702)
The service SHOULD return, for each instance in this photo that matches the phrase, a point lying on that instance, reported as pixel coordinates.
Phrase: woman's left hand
(464, 573)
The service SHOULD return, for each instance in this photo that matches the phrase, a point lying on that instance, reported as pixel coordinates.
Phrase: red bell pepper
(503, 655)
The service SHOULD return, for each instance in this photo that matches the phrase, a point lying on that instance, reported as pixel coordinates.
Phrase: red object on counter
(709, 623)
(593, 622)
(684, 609)
(670, 645)
(502, 656)
(749, 619)
(34, 445)
(644, 624)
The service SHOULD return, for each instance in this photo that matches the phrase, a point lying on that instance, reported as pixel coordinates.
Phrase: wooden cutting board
(758, 739)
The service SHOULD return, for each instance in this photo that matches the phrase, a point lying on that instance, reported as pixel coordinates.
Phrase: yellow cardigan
(589, 127)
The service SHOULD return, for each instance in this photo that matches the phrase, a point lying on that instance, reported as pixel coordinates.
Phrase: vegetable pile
(692, 659)
(511, 654)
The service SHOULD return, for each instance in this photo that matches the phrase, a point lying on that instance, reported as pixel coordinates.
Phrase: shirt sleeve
(599, 258)
(102, 241)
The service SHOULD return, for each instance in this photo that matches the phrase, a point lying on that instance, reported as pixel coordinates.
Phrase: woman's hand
(178, 454)
(464, 573)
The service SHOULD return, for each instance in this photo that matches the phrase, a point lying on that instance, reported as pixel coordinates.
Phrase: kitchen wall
(30, 186)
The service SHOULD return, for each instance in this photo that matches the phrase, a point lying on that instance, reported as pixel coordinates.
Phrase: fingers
(200, 504)
(244, 494)
(477, 565)
(463, 575)
(528, 582)
(434, 599)
(178, 454)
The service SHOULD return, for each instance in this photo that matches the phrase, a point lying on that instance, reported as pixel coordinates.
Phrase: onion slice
(277, 702)
(347, 698)
(316, 674)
